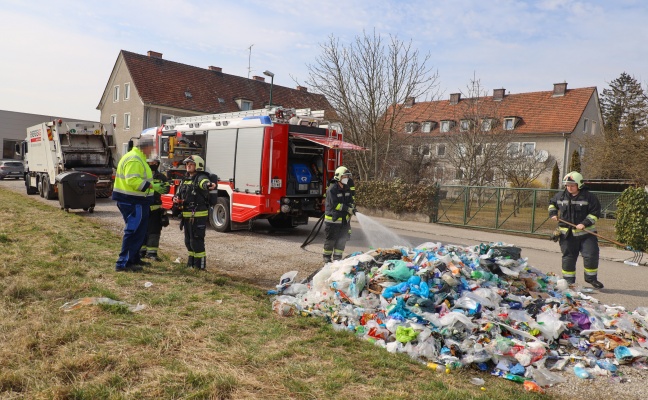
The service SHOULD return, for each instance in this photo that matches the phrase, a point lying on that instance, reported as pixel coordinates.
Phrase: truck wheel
(41, 192)
(281, 221)
(47, 189)
(30, 189)
(219, 215)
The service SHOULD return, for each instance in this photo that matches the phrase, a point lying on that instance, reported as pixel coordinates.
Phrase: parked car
(11, 169)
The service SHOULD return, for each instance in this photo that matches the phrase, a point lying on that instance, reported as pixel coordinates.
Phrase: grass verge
(201, 335)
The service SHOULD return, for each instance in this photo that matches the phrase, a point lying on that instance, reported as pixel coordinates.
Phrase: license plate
(275, 183)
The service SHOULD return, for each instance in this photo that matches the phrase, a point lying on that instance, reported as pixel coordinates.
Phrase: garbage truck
(52, 148)
(273, 163)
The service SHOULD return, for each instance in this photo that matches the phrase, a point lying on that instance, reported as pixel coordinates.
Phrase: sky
(56, 56)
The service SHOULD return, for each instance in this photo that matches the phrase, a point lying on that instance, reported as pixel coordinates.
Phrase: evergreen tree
(575, 164)
(624, 106)
(555, 176)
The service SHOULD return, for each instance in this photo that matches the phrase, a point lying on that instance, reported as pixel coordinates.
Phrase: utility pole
(250, 59)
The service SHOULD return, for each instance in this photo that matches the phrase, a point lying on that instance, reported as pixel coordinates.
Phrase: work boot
(200, 263)
(327, 259)
(153, 257)
(190, 262)
(570, 279)
(594, 282)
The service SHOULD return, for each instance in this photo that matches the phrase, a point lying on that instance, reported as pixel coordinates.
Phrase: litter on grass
(478, 306)
(85, 301)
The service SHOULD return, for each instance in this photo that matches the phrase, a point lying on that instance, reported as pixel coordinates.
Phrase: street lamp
(271, 75)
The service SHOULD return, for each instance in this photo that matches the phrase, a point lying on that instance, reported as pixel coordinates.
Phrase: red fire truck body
(273, 163)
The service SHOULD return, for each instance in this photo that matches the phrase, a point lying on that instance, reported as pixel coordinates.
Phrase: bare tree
(415, 164)
(367, 82)
(478, 145)
(520, 169)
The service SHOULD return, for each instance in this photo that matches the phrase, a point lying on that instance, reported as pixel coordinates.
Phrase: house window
(509, 124)
(246, 105)
(126, 91)
(461, 148)
(426, 127)
(593, 127)
(127, 121)
(410, 127)
(459, 173)
(424, 150)
(528, 149)
(446, 126)
(116, 94)
(479, 150)
(113, 119)
(440, 150)
(513, 149)
(486, 125)
(164, 118)
(464, 125)
(585, 122)
(489, 176)
(438, 173)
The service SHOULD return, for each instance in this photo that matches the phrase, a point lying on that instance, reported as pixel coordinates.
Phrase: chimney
(217, 69)
(454, 98)
(302, 88)
(258, 78)
(409, 102)
(154, 54)
(559, 89)
(498, 94)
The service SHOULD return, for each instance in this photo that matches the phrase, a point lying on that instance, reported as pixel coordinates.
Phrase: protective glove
(160, 187)
(351, 210)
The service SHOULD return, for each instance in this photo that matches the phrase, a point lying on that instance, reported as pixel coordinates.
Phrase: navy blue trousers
(136, 218)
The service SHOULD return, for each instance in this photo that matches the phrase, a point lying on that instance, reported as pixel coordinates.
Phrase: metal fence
(511, 209)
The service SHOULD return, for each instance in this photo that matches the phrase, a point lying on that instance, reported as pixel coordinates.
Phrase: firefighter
(193, 197)
(134, 190)
(337, 215)
(157, 216)
(581, 208)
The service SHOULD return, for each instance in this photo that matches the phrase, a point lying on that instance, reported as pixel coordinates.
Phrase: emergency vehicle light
(263, 119)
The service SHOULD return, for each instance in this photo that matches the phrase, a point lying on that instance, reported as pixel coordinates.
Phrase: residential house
(540, 124)
(143, 91)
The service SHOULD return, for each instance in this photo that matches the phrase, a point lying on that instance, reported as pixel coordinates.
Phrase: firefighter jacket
(584, 208)
(194, 195)
(157, 197)
(133, 179)
(338, 202)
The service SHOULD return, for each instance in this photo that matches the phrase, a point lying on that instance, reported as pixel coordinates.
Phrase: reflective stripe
(191, 253)
(155, 207)
(338, 207)
(327, 252)
(569, 273)
(200, 255)
(591, 271)
(338, 252)
(552, 207)
(189, 214)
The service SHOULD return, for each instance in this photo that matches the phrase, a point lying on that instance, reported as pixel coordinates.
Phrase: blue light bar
(263, 119)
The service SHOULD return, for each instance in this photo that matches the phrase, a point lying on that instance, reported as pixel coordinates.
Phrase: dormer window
(486, 125)
(428, 126)
(410, 127)
(446, 125)
(510, 122)
(243, 104)
(464, 125)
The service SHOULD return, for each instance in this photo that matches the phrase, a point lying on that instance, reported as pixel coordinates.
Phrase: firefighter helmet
(574, 177)
(339, 172)
(200, 163)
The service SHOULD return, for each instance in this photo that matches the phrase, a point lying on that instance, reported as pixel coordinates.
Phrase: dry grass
(201, 335)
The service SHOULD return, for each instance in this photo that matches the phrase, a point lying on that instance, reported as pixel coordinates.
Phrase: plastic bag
(286, 306)
(84, 301)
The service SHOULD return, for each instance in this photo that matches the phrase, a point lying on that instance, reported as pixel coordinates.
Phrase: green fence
(511, 209)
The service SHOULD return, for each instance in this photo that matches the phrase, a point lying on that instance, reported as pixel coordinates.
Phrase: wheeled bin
(77, 190)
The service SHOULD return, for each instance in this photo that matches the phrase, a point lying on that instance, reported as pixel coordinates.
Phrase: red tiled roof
(540, 112)
(164, 83)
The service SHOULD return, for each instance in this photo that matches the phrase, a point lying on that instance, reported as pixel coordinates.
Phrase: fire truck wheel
(219, 215)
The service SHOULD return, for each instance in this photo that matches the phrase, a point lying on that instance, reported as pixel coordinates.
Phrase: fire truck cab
(274, 163)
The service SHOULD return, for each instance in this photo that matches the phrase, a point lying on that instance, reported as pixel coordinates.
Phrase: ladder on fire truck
(300, 116)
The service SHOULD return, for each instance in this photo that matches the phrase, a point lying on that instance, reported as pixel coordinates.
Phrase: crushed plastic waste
(85, 301)
(481, 307)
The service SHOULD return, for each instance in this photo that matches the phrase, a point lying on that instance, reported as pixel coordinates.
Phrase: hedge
(397, 196)
(632, 218)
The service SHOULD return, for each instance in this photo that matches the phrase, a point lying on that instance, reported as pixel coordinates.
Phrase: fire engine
(272, 163)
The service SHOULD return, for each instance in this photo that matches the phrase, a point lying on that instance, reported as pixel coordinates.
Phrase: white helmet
(574, 177)
(340, 172)
(200, 163)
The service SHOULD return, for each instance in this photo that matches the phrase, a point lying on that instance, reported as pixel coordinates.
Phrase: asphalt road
(624, 285)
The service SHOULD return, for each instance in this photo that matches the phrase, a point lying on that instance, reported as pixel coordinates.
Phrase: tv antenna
(249, 59)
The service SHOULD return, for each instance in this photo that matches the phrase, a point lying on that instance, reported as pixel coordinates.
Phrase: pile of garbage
(479, 306)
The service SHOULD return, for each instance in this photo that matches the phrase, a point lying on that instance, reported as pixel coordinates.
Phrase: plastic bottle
(514, 378)
(436, 367)
(581, 372)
